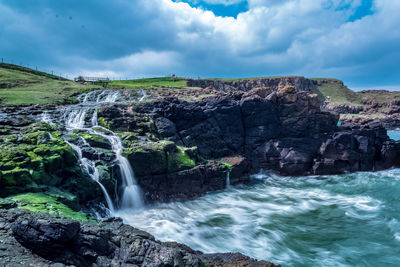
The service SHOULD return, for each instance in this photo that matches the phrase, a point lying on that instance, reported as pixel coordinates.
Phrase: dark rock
(233, 260)
(184, 184)
(280, 128)
(34, 239)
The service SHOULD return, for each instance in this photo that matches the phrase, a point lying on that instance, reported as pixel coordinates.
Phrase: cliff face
(281, 130)
(299, 83)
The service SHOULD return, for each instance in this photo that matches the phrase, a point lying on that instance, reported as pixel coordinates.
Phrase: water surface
(340, 220)
(395, 135)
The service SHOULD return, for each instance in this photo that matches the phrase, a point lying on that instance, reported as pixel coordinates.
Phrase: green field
(23, 86)
(150, 83)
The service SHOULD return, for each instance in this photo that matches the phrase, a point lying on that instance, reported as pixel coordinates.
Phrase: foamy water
(340, 220)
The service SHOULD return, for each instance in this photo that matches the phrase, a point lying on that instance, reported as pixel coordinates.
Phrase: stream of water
(83, 117)
(339, 220)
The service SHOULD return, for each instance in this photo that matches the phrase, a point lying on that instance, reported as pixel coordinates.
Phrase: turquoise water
(341, 220)
(395, 135)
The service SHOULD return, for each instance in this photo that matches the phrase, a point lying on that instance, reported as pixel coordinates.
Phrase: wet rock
(233, 260)
(45, 240)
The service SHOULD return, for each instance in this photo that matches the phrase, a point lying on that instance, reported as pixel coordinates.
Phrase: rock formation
(275, 83)
(34, 239)
(282, 130)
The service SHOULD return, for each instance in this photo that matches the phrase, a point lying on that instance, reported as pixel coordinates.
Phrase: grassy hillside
(148, 83)
(337, 91)
(24, 86)
(32, 71)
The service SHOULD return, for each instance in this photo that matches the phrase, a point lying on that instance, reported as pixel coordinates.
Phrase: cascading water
(83, 117)
(228, 180)
(90, 168)
(131, 197)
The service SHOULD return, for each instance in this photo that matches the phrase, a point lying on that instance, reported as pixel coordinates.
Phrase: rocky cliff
(275, 83)
(281, 130)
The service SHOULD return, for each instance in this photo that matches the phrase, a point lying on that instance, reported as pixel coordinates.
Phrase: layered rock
(282, 130)
(275, 83)
(32, 239)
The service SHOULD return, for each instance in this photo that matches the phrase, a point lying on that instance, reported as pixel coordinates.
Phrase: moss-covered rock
(39, 202)
(102, 122)
(159, 158)
(35, 157)
(96, 140)
(179, 160)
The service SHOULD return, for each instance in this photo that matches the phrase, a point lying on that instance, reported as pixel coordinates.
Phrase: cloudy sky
(357, 41)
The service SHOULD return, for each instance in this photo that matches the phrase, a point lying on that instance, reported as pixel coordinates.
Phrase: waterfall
(83, 117)
(142, 95)
(90, 168)
(45, 117)
(228, 180)
(131, 196)
(94, 118)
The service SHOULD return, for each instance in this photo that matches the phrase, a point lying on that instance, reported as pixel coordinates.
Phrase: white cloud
(274, 37)
(217, 2)
(137, 65)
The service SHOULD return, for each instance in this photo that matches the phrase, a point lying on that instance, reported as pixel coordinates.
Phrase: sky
(357, 41)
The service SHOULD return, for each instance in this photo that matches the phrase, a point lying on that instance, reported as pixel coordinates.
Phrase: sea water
(338, 220)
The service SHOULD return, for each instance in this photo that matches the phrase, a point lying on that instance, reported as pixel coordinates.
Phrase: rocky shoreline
(36, 239)
(179, 149)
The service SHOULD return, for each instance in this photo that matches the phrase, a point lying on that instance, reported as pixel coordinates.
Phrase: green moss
(72, 136)
(16, 177)
(102, 122)
(56, 134)
(226, 165)
(183, 159)
(39, 202)
(33, 159)
(179, 160)
(96, 140)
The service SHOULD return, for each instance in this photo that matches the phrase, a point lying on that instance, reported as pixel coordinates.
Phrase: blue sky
(354, 40)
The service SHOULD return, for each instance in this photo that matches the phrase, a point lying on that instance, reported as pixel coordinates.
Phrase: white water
(132, 196)
(338, 220)
(90, 168)
(228, 180)
(77, 118)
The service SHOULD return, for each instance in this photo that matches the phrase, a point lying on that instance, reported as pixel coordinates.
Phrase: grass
(29, 70)
(338, 92)
(148, 83)
(23, 86)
